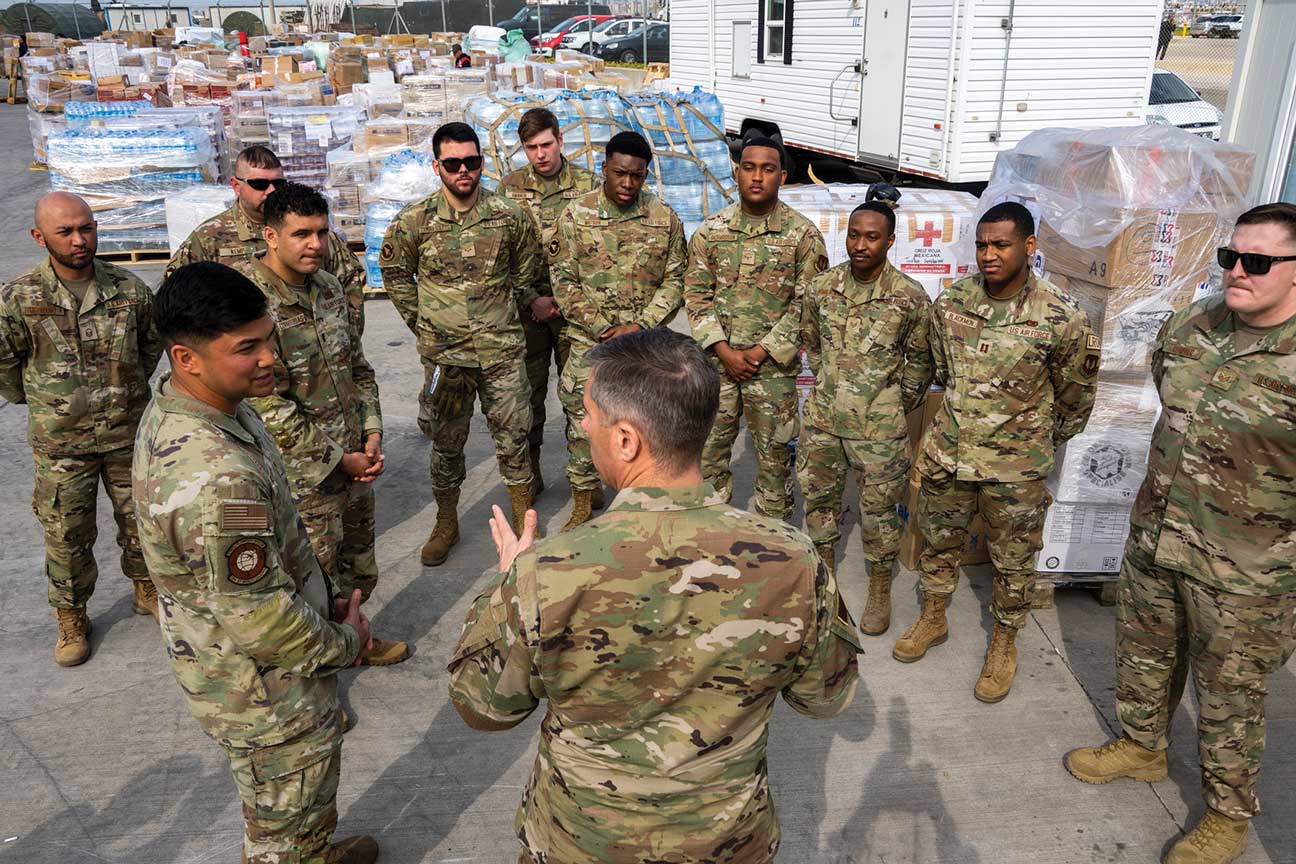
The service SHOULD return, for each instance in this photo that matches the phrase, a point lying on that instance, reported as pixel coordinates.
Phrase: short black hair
(456, 47)
(1278, 213)
(877, 207)
(663, 383)
(202, 301)
(460, 133)
(631, 144)
(764, 141)
(1014, 212)
(258, 156)
(296, 198)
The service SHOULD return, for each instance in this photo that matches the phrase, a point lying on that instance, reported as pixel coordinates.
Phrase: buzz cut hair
(765, 141)
(631, 144)
(878, 207)
(1014, 212)
(662, 383)
(460, 133)
(259, 156)
(1278, 213)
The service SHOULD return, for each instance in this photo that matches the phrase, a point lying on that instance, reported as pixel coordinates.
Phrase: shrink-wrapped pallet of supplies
(405, 177)
(302, 136)
(125, 176)
(1127, 223)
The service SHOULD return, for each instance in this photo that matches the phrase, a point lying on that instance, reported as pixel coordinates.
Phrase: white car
(581, 39)
(1173, 103)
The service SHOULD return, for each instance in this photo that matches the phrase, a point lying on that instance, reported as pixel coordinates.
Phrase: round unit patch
(387, 253)
(1106, 464)
(247, 561)
(554, 246)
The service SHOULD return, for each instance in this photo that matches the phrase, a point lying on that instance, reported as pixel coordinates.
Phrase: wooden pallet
(11, 91)
(1044, 591)
(136, 256)
(374, 293)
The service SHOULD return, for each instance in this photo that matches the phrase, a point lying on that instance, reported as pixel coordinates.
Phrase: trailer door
(886, 37)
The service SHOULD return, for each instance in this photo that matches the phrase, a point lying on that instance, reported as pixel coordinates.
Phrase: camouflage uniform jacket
(458, 279)
(544, 201)
(83, 371)
(231, 237)
(326, 398)
(1219, 501)
(745, 280)
(867, 344)
(661, 634)
(245, 606)
(1019, 381)
(614, 266)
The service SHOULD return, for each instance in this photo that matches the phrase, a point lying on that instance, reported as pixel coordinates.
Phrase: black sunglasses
(261, 184)
(472, 163)
(1253, 263)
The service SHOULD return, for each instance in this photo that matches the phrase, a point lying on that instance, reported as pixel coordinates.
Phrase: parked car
(581, 38)
(1216, 26)
(529, 19)
(546, 42)
(1173, 103)
(630, 47)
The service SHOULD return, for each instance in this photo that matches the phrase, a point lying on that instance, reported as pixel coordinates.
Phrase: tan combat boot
(927, 632)
(537, 482)
(1216, 839)
(446, 531)
(520, 499)
(597, 501)
(353, 850)
(1000, 667)
(384, 652)
(582, 503)
(876, 619)
(1120, 758)
(828, 555)
(146, 601)
(73, 646)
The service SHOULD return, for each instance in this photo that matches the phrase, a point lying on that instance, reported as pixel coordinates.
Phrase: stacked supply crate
(1128, 221)
(302, 136)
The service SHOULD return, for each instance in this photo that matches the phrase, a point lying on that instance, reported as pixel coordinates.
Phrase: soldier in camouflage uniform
(544, 189)
(239, 233)
(618, 267)
(865, 328)
(749, 266)
(458, 265)
(77, 346)
(661, 634)
(1019, 366)
(245, 607)
(324, 414)
(1209, 579)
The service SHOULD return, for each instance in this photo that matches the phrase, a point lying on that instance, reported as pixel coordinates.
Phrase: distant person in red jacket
(461, 60)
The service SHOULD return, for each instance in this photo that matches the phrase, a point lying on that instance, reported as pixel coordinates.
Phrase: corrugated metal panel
(796, 96)
(690, 56)
(927, 83)
(1083, 64)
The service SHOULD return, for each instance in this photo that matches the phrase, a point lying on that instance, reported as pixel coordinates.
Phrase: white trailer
(929, 87)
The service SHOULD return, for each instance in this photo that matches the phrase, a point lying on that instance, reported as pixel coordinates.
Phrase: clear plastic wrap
(189, 208)
(302, 137)
(51, 92)
(406, 176)
(42, 125)
(424, 96)
(1106, 463)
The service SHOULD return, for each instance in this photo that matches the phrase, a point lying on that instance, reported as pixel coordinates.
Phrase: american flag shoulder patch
(244, 516)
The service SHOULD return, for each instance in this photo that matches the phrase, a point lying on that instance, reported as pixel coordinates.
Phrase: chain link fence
(1199, 43)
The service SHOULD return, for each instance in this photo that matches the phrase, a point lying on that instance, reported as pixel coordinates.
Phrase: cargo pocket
(287, 775)
(1264, 634)
(45, 498)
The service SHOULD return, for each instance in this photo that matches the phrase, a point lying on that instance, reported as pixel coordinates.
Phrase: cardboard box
(1156, 250)
(280, 64)
(1084, 538)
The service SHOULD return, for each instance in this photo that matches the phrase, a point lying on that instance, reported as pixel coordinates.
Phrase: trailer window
(775, 10)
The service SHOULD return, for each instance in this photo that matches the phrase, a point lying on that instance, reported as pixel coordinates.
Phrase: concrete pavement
(103, 762)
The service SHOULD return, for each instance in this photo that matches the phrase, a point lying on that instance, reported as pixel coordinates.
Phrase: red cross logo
(928, 233)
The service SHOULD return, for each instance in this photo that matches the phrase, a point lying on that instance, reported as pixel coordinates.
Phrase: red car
(548, 41)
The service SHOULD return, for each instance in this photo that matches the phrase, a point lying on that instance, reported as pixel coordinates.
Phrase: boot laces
(69, 627)
(1209, 831)
(998, 658)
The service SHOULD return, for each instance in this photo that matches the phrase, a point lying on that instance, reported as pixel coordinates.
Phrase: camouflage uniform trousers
(64, 500)
(823, 461)
(543, 341)
(289, 795)
(505, 399)
(1167, 622)
(581, 473)
(1014, 518)
(769, 405)
(339, 519)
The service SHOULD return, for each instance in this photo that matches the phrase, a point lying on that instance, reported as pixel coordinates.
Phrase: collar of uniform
(1222, 326)
(770, 223)
(549, 185)
(862, 292)
(290, 294)
(247, 229)
(103, 288)
(658, 499)
(177, 403)
(608, 210)
(479, 212)
(983, 307)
